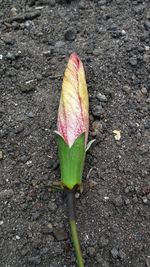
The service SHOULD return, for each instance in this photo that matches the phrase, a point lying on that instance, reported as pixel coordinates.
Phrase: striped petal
(73, 113)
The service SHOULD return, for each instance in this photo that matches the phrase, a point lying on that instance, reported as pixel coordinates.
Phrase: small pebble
(52, 3)
(17, 237)
(70, 35)
(97, 127)
(1, 155)
(24, 251)
(47, 229)
(29, 24)
(126, 89)
(77, 195)
(117, 134)
(30, 114)
(35, 216)
(115, 228)
(60, 47)
(118, 201)
(123, 32)
(103, 242)
(102, 2)
(91, 251)
(147, 48)
(10, 56)
(114, 253)
(9, 40)
(115, 30)
(1, 222)
(60, 44)
(50, 226)
(6, 194)
(1, 57)
(148, 196)
(35, 260)
(147, 24)
(60, 234)
(133, 61)
(57, 250)
(122, 254)
(13, 11)
(28, 86)
(98, 111)
(38, 76)
(145, 36)
(127, 201)
(145, 200)
(144, 91)
(15, 25)
(98, 51)
(148, 15)
(19, 129)
(145, 58)
(102, 263)
(135, 199)
(101, 97)
(109, 92)
(139, 9)
(47, 53)
(52, 206)
(141, 48)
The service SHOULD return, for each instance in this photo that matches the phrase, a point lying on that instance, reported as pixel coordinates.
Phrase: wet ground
(113, 40)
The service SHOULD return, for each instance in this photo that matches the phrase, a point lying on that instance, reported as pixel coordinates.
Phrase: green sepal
(71, 161)
(89, 144)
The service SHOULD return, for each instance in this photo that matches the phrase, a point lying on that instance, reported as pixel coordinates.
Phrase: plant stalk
(73, 226)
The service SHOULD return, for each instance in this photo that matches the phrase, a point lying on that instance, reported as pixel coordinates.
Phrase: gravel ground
(113, 39)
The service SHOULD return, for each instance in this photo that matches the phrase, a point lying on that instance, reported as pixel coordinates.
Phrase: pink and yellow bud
(73, 113)
(73, 123)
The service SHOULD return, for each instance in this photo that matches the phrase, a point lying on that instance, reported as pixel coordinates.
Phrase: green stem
(76, 242)
(73, 226)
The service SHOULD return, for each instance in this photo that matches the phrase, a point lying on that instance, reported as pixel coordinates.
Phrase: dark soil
(113, 40)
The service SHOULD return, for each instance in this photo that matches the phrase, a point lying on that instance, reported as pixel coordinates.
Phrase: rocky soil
(113, 39)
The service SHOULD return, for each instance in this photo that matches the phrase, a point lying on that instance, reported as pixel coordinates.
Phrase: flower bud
(73, 123)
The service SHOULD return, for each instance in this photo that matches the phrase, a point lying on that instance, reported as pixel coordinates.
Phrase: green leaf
(71, 161)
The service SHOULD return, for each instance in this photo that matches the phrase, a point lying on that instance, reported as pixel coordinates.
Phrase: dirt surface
(113, 40)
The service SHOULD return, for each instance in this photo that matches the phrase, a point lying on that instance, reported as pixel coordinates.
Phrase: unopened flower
(73, 113)
(73, 123)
